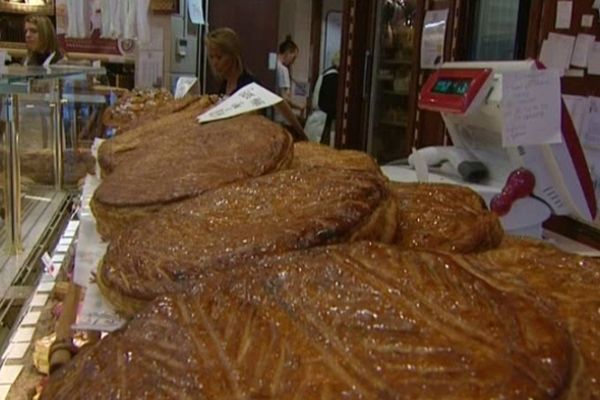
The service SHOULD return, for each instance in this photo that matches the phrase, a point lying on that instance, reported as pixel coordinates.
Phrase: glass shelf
(44, 154)
(19, 73)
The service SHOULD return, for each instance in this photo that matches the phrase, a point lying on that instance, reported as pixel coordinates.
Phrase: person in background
(225, 58)
(41, 41)
(327, 95)
(288, 52)
(324, 104)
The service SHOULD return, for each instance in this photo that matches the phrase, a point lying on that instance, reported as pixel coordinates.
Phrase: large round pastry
(444, 217)
(355, 321)
(310, 154)
(186, 163)
(569, 282)
(159, 125)
(229, 227)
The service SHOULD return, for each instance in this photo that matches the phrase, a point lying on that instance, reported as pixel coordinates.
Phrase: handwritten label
(96, 313)
(250, 98)
(531, 108)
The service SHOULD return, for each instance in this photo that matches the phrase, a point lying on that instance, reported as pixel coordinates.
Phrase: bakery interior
(438, 239)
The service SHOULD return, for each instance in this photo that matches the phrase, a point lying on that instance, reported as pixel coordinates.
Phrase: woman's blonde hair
(226, 40)
(48, 42)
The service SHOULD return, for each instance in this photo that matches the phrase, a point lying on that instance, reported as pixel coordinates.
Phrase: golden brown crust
(229, 226)
(140, 106)
(113, 151)
(310, 154)
(569, 282)
(444, 217)
(188, 163)
(360, 321)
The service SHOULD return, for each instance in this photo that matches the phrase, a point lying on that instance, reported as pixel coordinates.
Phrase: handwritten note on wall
(531, 107)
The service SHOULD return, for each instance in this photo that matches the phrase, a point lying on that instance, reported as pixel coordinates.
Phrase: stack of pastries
(250, 267)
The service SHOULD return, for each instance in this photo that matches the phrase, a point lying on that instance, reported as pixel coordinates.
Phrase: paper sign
(184, 84)
(62, 248)
(531, 107)
(583, 47)
(594, 60)
(250, 98)
(196, 11)
(49, 266)
(31, 318)
(557, 50)
(587, 20)
(579, 110)
(96, 313)
(23, 335)
(9, 374)
(46, 287)
(16, 351)
(564, 13)
(39, 300)
(434, 34)
(591, 136)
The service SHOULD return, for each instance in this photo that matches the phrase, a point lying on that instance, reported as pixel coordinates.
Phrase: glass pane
(391, 80)
(496, 30)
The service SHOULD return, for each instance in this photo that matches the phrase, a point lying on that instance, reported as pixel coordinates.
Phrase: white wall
(294, 19)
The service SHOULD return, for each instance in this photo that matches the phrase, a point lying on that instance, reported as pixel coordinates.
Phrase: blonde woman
(225, 58)
(41, 41)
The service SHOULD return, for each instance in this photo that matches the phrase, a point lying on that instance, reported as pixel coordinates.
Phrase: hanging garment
(130, 19)
(142, 23)
(105, 13)
(78, 18)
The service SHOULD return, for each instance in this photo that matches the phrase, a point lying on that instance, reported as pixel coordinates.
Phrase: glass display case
(391, 75)
(43, 112)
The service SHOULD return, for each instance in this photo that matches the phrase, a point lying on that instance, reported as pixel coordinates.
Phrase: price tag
(250, 98)
(49, 266)
(184, 84)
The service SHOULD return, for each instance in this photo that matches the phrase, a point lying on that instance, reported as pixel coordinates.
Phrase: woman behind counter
(41, 41)
(225, 58)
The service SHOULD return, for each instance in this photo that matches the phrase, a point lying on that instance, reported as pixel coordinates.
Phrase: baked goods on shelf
(569, 282)
(230, 226)
(444, 217)
(350, 321)
(114, 150)
(310, 154)
(37, 165)
(138, 106)
(185, 163)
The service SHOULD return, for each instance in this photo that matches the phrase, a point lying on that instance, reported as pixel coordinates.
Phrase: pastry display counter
(43, 112)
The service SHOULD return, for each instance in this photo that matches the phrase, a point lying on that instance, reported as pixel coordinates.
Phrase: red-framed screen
(453, 90)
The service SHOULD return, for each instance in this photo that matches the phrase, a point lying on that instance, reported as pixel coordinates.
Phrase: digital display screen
(457, 87)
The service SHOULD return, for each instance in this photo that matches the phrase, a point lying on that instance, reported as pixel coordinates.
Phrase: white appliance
(469, 97)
